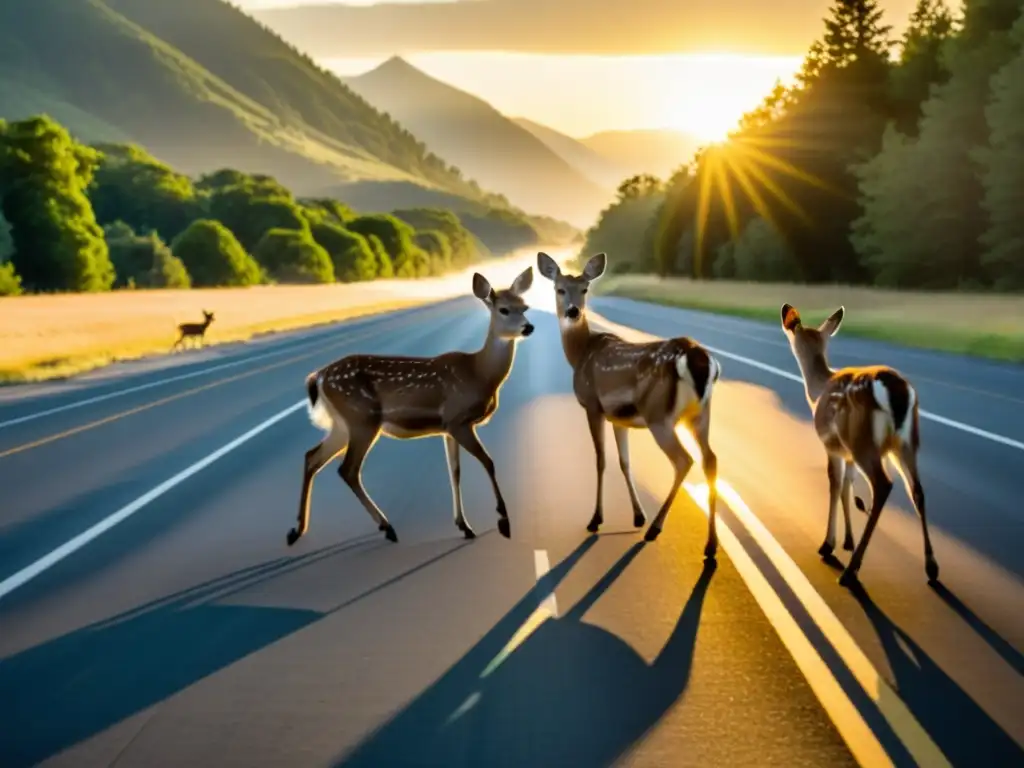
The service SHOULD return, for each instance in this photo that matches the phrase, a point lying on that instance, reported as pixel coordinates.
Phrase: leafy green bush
(293, 256)
(213, 256)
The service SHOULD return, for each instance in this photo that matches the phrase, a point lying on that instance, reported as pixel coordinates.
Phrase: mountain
(482, 142)
(655, 151)
(594, 166)
(202, 86)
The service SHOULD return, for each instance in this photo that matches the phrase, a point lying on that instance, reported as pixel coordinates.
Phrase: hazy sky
(580, 66)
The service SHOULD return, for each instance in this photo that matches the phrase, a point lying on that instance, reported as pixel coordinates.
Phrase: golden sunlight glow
(711, 92)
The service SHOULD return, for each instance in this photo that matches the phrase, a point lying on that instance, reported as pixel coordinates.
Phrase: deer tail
(700, 369)
(318, 413)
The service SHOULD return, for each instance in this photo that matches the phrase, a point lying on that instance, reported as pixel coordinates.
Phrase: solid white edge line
(1009, 442)
(29, 572)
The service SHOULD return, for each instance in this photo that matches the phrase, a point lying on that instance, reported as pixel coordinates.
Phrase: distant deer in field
(861, 415)
(197, 330)
(357, 398)
(655, 385)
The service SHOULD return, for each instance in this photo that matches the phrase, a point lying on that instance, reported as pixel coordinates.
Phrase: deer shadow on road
(570, 694)
(66, 690)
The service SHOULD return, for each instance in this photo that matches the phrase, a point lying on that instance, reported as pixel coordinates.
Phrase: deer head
(507, 308)
(810, 345)
(571, 290)
(208, 316)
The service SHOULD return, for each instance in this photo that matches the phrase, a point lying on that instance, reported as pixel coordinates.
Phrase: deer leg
(870, 463)
(451, 448)
(316, 459)
(466, 437)
(908, 470)
(596, 423)
(361, 440)
(846, 498)
(667, 439)
(622, 443)
(709, 461)
(835, 483)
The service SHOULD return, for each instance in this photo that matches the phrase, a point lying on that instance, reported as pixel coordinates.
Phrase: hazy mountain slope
(487, 146)
(591, 164)
(658, 152)
(116, 69)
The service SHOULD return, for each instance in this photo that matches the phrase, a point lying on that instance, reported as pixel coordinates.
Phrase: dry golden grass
(984, 325)
(44, 337)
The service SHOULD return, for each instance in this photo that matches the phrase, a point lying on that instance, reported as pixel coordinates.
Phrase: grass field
(46, 337)
(983, 325)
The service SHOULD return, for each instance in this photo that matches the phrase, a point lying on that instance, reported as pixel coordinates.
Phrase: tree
(922, 63)
(394, 235)
(249, 213)
(58, 246)
(6, 243)
(145, 261)
(132, 186)
(1002, 259)
(759, 253)
(383, 268)
(293, 256)
(436, 245)
(351, 254)
(10, 283)
(214, 257)
(465, 248)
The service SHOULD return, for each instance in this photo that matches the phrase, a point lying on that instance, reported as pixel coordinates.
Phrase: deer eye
(561, 291)
(504, 310)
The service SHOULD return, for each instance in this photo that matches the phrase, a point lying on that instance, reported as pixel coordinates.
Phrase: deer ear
(831, 326)
(523, 282)
(790, 317)
(547, 266)
(481, 288)
(595, 266)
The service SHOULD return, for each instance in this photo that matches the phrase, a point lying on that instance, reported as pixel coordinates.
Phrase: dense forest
(892, 163)
(77, 217)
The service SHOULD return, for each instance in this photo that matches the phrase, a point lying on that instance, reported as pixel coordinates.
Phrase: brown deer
(358, 397)
(861, 416)
(197, 330)
(655, 385)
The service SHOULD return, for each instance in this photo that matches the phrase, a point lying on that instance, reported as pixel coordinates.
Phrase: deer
(862, 415)
(654, 385)
(359, 397)
(194, 329)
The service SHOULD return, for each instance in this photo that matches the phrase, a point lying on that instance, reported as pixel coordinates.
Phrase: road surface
(152, 615)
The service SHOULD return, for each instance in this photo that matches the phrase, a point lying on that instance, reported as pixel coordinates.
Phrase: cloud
(597, 27)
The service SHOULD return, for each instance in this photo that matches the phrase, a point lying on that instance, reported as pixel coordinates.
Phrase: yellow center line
(163, 401)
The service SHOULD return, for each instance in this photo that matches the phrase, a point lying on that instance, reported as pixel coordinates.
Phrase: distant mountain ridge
(486, 145)
(202, 86)
(656, 151)
(591, 164)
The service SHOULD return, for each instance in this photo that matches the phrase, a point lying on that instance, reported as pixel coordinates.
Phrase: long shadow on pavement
(959, 727)
(64, 691)
(571, 694)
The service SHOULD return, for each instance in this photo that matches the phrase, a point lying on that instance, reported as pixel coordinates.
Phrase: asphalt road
(188, 633)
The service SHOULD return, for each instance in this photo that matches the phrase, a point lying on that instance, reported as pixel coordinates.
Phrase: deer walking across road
(655, 386)
(358, 397)
(194, 330)
(861, 415)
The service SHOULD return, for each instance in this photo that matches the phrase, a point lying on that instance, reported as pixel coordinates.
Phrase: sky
(579, 66)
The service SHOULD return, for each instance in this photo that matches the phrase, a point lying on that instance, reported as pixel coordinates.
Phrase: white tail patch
(908, 422)
(882, 422)
(318, 414)
(683, 369)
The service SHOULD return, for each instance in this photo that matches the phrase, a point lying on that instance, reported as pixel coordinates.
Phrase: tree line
(899, 164)
(107, 216)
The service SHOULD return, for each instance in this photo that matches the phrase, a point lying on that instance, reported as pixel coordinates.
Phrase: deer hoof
(848, 578)
(504, 527)
(468, 532)
(652, 533)
(710, 550)
(826, 549)
(639, 519)
(293, 536)
(389, 532)
(932, 569)
(594, 525)
(848, 543)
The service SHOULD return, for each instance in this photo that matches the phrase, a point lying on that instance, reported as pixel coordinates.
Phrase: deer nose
(528, 329)
(572, 313)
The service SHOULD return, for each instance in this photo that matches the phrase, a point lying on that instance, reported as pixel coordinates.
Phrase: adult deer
(197, 330)
(861, 415)
(358, 397)
(655, 385)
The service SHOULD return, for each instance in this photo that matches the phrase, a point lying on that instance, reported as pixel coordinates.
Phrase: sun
(713, 91)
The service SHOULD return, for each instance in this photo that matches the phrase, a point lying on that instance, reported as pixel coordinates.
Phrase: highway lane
(189, 632)
(957, 654)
